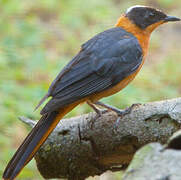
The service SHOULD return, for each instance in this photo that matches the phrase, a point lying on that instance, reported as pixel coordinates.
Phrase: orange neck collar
(143, 35)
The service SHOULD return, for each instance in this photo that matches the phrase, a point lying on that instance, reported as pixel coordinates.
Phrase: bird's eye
(151, 15)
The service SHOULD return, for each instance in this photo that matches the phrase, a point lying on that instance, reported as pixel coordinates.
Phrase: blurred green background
(37, 38)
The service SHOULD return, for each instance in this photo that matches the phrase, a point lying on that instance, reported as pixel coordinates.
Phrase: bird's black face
(144, 16)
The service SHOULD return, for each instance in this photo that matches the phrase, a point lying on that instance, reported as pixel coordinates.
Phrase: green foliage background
(37, 38)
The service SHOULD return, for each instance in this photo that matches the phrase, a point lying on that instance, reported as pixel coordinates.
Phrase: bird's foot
(125, 112)
(116, 110)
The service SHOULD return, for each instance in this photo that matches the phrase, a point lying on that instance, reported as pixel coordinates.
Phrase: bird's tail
(33, 141)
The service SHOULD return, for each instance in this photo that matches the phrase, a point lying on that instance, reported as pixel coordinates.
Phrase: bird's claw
(127, 110)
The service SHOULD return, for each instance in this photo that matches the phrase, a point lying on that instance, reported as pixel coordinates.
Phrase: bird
(104, 65)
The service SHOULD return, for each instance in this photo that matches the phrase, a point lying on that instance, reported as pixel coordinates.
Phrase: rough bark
(88, 145)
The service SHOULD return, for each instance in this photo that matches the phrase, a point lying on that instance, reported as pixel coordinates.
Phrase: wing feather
(104, 61)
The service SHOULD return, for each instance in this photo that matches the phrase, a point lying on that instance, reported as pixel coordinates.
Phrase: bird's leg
(116, 110)
(98, 111)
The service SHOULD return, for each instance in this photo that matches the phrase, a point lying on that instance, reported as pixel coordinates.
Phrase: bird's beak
(171, 18)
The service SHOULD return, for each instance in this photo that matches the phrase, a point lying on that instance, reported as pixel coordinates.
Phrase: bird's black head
(144, 16)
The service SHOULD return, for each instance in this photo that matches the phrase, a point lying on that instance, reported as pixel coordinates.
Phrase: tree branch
(85, 146)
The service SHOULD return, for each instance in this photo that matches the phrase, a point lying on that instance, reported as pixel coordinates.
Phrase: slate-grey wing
(103, 62)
